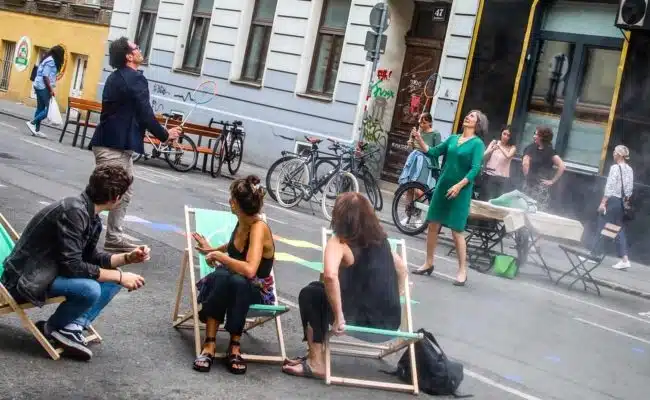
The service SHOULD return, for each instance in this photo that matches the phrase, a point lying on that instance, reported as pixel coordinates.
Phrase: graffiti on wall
(374, 132)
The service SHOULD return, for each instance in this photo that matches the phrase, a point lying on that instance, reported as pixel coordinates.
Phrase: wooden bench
(81, 105)
(192, 129)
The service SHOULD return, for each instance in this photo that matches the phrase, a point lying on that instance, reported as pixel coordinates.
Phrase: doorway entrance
(424, 43)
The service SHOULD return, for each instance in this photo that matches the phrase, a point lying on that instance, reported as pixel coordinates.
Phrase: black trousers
(228, 295)
(315, 310)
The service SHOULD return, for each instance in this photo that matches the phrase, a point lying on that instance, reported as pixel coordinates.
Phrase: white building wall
(279, 105)
(453, 64)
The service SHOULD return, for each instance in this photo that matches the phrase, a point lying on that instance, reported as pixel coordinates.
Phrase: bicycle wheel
(217, 157)
(235, 153)
(293, 178)
(413, 219)
(275, 168)
(323, 167)
(341, 182)
(182, 156)
(372, 189)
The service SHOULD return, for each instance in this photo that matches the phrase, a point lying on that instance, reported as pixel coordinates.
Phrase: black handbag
(626, 202)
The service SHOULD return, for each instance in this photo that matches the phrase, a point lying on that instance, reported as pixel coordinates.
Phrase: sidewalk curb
(25, 118)
(617, 287)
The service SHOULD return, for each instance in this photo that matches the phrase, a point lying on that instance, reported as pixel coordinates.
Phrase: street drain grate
(7, 156)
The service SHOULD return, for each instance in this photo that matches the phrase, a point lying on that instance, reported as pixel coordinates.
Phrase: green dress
(461, 161)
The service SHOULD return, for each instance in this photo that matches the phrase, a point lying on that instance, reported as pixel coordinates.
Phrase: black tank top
(266, 264)
(370, 288)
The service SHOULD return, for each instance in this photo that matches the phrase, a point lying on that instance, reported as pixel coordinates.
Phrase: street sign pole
(375, 61)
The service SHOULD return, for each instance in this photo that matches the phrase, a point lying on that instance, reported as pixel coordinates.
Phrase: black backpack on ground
(437, 375)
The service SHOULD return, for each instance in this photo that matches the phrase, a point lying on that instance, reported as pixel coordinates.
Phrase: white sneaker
(622, 265)
(31, 127)
(40, 135)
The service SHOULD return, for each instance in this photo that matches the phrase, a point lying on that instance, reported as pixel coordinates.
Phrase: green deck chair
(217, 226)
(368, 339)
(8, 305)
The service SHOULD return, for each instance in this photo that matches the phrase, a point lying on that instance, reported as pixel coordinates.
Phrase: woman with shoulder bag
(614, 207)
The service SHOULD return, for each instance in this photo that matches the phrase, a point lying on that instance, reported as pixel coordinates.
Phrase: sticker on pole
(22, 54)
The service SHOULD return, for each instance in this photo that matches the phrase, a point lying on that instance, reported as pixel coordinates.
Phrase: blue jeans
(43, 97)
(85, 299)
(614, 215)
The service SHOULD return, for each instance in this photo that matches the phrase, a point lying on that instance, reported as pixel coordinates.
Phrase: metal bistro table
(528, 230)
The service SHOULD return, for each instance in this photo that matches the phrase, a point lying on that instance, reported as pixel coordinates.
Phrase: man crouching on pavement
(57, 256)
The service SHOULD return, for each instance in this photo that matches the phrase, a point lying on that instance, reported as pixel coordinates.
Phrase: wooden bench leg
(65, 126)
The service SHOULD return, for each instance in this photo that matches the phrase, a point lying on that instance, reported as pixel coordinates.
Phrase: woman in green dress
(453, 193)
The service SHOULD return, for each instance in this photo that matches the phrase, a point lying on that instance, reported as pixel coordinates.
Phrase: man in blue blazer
(126, 114)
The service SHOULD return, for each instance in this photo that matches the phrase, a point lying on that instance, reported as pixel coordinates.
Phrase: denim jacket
(60, 240)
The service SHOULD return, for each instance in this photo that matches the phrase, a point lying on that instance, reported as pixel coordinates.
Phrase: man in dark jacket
(126, 114)
(57, 256)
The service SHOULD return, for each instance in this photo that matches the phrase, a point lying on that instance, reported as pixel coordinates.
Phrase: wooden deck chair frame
(259, 314)
(400, 340)
(8, 305)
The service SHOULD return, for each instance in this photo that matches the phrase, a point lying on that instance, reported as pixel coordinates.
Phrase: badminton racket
(431, 87)
(203, 94)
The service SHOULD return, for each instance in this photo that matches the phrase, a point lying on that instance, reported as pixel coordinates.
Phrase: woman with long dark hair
(498, 157)
(44, 85)
(363, 280)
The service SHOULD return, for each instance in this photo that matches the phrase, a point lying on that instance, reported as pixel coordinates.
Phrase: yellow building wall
(76, 37)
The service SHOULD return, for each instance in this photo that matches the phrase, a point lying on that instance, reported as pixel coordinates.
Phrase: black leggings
(229, 297)
(315, 310)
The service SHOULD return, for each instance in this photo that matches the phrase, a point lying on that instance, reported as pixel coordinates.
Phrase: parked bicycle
(354, 161)
(181, 154)
(298, 181)
(409, 215)
(229, 147)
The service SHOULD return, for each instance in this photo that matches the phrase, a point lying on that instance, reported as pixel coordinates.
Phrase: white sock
(73, 327)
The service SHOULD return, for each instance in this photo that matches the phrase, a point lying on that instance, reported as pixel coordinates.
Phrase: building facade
(565, 64)
(34, 26)
(298, 67)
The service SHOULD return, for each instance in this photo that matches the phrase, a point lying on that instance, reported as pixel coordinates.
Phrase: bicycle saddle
(313, 140)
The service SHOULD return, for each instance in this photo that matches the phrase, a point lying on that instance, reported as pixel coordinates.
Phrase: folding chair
(217, 226)
(8, 305)
(579, 257)
(394, 340)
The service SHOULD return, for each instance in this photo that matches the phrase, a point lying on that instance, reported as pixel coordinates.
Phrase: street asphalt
(518, 339)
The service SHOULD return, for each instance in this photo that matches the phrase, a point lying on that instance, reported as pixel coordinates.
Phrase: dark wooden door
(421, 60)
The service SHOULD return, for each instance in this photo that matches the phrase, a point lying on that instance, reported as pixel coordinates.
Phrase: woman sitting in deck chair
(242, 274)
(363, 282)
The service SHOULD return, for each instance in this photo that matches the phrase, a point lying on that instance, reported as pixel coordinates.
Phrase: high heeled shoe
(427, 271)
(459, 283)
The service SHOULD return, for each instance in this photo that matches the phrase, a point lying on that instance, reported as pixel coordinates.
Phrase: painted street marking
(164, 227)
(435, 257)
(645, 314)
(145, 179)
(577, 300)
(637, 350)
(42, 146)
(283, 209)
(297, 243)
(45, 203)
(8, 125)
(605, 328)
(276, 221)
(160, 173)
(315, 265)
(498, 385)
(1, 185)
(133, 218)
(514, 378)
(287, 302)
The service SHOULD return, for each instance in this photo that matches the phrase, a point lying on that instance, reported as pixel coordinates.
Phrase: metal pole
(375, 63)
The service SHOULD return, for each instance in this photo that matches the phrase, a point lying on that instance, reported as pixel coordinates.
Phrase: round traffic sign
(375, 17)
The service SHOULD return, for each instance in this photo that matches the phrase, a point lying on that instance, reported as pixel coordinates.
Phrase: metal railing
(6, 64)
